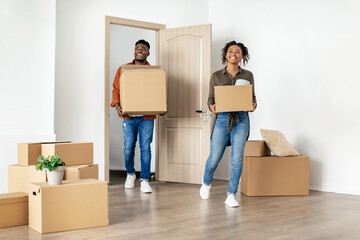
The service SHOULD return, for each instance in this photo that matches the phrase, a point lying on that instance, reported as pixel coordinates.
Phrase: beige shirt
(223, 78)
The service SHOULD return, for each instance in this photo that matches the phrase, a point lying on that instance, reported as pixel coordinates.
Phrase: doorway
(122, 40)
(182, 136)
(122, 53)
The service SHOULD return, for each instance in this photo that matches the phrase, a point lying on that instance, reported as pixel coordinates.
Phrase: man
(133, 125)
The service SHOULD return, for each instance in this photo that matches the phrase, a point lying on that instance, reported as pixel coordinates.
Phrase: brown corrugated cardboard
(76, 204)
(28, 152)
(135, 67)
(233, 98)
(13, 209)
(70, 153)
(275, 176)
(143, 91)
(81, 172)
(20, 176)
(256, 148)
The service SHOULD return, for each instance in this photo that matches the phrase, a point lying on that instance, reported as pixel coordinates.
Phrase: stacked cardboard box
(78, 157)
(77, 203)
(143, 90)
(267, 175)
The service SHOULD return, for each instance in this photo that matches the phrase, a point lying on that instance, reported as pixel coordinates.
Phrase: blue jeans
(131, 128)
(219, 140)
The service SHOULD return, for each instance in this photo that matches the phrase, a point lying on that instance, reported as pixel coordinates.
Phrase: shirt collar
(223, 71)
(133, 62)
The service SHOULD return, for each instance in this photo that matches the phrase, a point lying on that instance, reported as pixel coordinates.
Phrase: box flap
(47, 142)
(45, 185)
(136, 67)
(15, 197)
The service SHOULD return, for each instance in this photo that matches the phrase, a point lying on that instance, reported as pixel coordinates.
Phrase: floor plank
(175, 211)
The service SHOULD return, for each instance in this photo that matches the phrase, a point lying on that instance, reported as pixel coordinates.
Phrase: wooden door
(184, 132)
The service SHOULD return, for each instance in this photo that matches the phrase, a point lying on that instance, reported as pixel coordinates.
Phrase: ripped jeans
(219, 140)
(131, 128)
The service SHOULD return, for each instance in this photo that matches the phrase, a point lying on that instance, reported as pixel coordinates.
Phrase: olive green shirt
(223, 78)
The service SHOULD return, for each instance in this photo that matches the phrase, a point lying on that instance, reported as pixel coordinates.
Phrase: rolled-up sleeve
(211, 97)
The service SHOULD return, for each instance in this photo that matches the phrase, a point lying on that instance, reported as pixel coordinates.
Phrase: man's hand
(213, 108)
(119, 109)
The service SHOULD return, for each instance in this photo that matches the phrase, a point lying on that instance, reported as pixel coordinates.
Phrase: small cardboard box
(256, 148)
(28, 152)
(143, 91)
(13, 209)
(19, 177)
(75, 204)
(234, 98)
(275, 176)
(70, 153)
(81, 172)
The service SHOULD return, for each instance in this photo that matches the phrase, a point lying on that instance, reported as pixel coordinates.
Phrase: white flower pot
(55, 177)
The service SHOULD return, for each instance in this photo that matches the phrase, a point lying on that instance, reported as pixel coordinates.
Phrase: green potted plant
(53, 166)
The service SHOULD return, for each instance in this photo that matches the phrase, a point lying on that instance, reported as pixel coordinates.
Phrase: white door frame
(129, 23)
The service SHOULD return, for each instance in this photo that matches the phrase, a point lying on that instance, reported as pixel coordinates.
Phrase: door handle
(202, 111)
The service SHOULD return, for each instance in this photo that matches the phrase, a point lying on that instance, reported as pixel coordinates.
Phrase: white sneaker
(231, 201)
(205, 191)
(130, 181)
(145, 187)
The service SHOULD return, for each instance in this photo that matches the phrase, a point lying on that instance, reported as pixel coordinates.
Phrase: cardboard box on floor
(73, 205)
(28, 152)
(275, 176)
(70, 153)
(142, 91)
(256, 148)
(81, 172)
(233, 98)
(19, 177)
(13, 209)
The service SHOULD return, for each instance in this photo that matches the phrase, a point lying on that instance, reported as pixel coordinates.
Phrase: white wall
(122, 44)
(305, 57)
(80, 51)
(27, 68)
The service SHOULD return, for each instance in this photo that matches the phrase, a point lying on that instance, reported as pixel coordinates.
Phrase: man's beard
(140, 60)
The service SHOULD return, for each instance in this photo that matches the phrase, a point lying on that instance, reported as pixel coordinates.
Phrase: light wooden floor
(175, 211)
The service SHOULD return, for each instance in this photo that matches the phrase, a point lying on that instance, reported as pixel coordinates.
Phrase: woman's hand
(162, 114)
(254, 106)
(213, 108)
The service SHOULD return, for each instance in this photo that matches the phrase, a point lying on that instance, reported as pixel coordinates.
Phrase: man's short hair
(143, 42)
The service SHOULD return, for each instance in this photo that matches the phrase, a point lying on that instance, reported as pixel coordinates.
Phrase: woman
(228, 126)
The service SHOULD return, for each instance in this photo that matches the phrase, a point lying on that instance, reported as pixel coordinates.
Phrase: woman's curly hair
(244, 51)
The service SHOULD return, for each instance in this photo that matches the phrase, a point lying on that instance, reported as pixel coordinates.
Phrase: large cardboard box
(143, 91)
(28, 152)
(136, 67)
(234, 98)
(19, 177)
(76, 204)
(275, 176)
(81, 172)
(13, 209)
(70, 153)
(256, 148)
